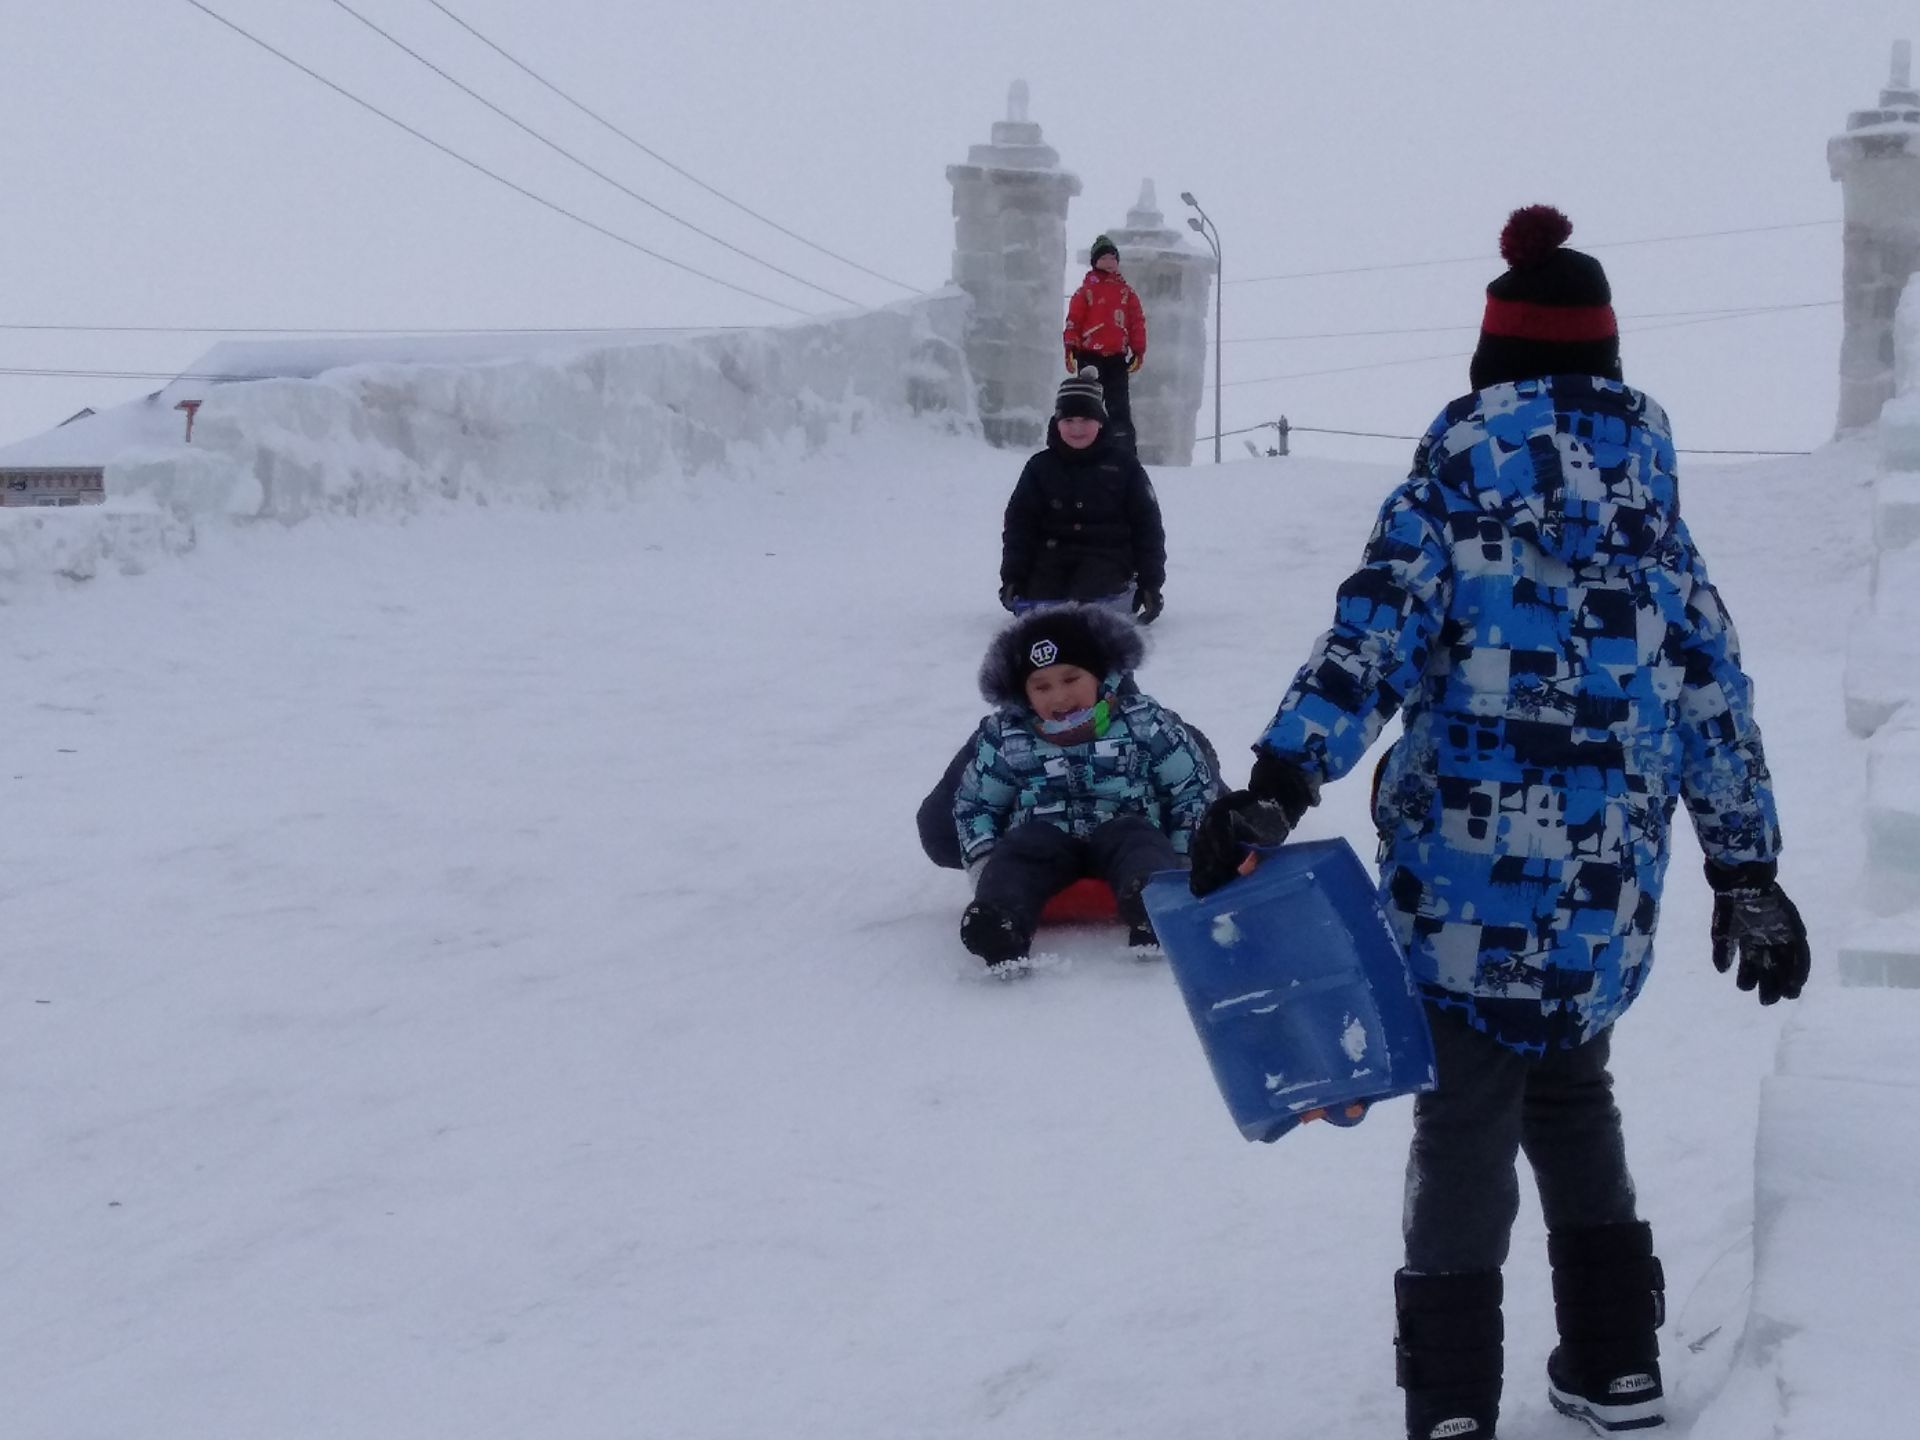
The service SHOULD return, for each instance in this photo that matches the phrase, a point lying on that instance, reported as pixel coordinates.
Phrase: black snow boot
(1131, 906)
(992, 934)
(1609, 1297)
(1448, 1353)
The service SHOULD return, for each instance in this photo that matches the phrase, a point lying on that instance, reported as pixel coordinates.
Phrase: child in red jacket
(1106, 328)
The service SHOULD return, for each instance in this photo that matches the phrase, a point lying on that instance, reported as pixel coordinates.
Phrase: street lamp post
(1210, 233)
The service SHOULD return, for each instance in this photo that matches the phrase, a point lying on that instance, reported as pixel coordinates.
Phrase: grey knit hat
(1081, 395)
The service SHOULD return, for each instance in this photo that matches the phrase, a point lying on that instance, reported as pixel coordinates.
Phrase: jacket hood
(1121, 645)
(1578, 465)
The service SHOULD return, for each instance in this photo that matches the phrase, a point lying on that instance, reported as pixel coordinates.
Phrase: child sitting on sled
(1075, 774)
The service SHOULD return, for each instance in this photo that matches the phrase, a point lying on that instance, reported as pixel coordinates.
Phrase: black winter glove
(1284, 783)
(1007, 597)
(1753, 917)
(1233, 824)
(1147, 605)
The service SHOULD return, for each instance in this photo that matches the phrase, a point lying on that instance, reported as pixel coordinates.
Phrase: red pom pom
(1532, 233)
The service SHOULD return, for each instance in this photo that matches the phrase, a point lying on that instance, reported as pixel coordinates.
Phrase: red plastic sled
(1084, 902)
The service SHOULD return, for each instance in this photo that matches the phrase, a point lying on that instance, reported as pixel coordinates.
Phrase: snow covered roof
(89, 442)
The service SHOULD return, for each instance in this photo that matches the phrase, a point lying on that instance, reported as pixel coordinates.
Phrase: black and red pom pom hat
(1551, 313)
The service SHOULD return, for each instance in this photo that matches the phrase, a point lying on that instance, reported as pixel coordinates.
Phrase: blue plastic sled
(1297, 986)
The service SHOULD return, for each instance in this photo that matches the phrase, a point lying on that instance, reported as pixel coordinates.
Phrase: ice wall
(1883, 686)
(1010, 255)
(1826, 1334)
(1826, 1330)
(1174, 279)
(590, 426)
(1877, 162)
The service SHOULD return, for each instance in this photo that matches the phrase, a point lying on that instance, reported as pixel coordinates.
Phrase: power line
(216, 377)
(1724, 313)
(1360, 434)
(656, 155)
(1484, 259)
(25, 370)
(1714, 235)
(597, 173)
(1684, 318)
(370, 330)
(1728, 312)
(1293, 429)
(212, 376)
(1343, 369)
(1708, 318)
(1349, 334)
(1731, 312)
(1689, 450)
(490, 174)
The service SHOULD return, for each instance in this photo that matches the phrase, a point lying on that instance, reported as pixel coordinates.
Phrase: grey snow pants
(1035, 860)
(1491, 1104)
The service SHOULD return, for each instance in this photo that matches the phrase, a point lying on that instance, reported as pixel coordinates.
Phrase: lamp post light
(1209, 232)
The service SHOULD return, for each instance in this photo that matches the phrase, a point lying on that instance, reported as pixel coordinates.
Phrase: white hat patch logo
(1043, 654)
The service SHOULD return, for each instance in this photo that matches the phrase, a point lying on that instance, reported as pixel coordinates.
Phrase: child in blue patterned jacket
(1533, 606)
(1074, 774)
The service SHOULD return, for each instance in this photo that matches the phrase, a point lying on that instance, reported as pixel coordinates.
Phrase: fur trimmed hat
(1551, 313)
(1081, 396)
(1100, 641)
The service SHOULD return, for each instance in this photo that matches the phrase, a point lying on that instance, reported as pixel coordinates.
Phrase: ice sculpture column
(1174, 279)
(1883, 687)
(1010, 255)
(1877, 162)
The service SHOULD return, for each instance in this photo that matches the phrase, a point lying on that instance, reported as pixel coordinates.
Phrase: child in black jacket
(1083, 523)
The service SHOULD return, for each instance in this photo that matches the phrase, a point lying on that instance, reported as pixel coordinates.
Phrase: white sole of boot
(1608, 1419)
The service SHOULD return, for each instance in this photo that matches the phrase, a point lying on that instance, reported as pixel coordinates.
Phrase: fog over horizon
(172, 174)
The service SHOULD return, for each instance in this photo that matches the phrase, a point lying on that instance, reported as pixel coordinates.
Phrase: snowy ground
(475, 977)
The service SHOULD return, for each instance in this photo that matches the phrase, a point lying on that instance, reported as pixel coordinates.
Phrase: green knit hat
(1102, 245)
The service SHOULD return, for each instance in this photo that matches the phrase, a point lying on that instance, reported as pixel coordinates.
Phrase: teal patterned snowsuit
(1145, 765)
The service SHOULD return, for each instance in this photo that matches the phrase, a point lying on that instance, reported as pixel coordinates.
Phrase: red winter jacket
(1104, 317)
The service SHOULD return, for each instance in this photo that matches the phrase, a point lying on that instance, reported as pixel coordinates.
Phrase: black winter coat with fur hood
(1082, 525)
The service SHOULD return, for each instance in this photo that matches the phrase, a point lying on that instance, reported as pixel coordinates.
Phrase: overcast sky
(160, 170)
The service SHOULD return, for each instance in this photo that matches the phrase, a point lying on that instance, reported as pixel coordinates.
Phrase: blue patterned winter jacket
(1531, 603)
(1146, 764)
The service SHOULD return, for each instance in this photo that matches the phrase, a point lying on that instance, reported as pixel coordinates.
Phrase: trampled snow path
(476, 978)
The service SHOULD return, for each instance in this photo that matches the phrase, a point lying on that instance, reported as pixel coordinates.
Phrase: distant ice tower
(1174, 278)
(1877, 162)
(1010, 254)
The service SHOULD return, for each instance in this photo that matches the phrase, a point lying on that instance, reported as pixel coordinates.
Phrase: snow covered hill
(472, 975)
